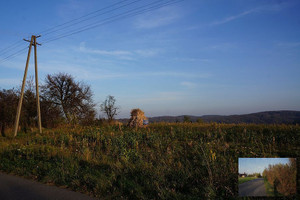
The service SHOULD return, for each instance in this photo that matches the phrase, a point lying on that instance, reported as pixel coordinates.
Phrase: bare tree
(74, 99)
(109, 108)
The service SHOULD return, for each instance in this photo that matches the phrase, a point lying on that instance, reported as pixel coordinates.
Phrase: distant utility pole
(32, 43)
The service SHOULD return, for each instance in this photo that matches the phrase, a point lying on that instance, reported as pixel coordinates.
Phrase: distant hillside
(268, 117)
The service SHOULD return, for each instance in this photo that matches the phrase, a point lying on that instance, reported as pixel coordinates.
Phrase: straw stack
(137, 118)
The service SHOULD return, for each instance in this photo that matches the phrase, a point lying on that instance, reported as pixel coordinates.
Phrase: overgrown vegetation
(161, 161)
(269, 188)
(282, 177)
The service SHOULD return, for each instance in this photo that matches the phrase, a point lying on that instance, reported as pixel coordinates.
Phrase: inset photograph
(267, 177)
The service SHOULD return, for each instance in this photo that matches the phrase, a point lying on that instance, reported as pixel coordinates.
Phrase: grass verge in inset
(245, 179)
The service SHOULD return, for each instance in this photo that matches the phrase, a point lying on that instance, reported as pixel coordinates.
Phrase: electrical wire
(13, 55)
(11, 48)
(133, 12)
(72, 24)
(91, 13)
(119, 16)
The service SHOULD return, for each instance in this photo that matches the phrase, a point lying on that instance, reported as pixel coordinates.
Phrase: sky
(257, 165)
(195, 57)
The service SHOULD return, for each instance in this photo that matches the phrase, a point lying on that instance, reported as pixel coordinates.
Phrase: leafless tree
(73, 99)
(109, 108)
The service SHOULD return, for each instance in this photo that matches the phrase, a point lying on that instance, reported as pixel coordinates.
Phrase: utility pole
(32, 43)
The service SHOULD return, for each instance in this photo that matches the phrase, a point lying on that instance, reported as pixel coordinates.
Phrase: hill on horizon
(266, 117)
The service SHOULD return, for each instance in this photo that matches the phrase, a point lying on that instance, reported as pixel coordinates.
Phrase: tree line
(282, 177)
(62, 100)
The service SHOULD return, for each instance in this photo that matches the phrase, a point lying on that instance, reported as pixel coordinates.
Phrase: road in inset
(254, 187)
(16, 188)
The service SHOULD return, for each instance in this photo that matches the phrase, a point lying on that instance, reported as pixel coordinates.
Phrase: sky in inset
(257, 165)
(195, 57)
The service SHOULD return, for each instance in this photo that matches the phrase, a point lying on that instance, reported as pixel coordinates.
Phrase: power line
(119, 16)
(11, 48)
(120, 2)
(13, 55)
(78, 22)
(133, 12)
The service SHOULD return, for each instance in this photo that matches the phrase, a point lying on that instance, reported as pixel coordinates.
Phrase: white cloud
(120, 54)
(288, 44)
(192, 59)
(83, 49)
(157, 18)
(161, 97)
(71, 9)
(273, 7)
(188, 84)
(147, 52)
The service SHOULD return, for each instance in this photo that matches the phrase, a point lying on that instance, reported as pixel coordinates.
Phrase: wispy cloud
(160, 17)
(161, 97)
(83, 49)
(265, 8)
(188, 84)
(288, 44)
(85, 73)
(73, 8)
(224, 46)
(175, 74)
(120, 54)
(192, 59)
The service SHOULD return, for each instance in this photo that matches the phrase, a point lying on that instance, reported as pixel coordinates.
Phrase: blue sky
(257, 165)
(195, 57)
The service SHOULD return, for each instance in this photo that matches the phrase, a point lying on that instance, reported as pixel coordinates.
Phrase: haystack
(137, 118)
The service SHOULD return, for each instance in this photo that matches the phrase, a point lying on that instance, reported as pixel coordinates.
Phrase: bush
(282, 177)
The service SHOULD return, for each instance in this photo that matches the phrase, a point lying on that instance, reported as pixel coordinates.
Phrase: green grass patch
(269, 188)
(245, 179)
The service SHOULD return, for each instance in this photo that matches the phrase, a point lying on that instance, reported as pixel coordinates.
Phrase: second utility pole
(32, 43)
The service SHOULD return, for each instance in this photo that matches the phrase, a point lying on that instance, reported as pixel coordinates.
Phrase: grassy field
(245, 179)
(161, 161)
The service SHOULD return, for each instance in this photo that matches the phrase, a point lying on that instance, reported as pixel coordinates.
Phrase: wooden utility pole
(37, 87)
(32, 43)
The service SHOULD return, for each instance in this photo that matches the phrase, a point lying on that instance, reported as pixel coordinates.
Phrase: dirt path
(16, 188)
(254, 187)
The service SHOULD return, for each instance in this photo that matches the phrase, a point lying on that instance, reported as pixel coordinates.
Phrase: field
(161, 161)
(245, 179)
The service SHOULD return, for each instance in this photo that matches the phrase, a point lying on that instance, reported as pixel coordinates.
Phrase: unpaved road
(254, 187)
(16, 188)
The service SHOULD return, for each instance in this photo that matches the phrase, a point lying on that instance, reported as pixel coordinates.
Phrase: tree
(28, 111)
(73, 99)
(186, 118)
(200, 121)
(109, 108)
(8, 107)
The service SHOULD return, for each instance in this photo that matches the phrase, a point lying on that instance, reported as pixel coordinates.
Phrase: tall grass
(161, 161)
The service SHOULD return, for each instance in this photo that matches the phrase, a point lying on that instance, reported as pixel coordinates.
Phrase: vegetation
(111, 161)
(245, 179)
(161, 161)
(109, 108)
(63, 100)
(73, 99)
(282, 177)
(269, 188)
